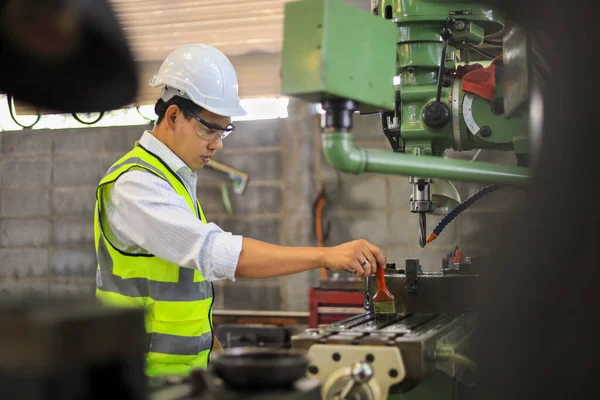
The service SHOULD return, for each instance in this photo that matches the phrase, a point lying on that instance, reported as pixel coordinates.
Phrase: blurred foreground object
(65, 55)
(71, 348)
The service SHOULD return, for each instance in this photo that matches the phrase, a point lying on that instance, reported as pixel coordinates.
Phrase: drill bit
(422, 229)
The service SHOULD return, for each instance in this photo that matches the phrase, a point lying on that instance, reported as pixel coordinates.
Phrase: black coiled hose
(459, 209)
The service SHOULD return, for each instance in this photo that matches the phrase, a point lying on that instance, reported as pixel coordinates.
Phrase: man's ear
(171, 114)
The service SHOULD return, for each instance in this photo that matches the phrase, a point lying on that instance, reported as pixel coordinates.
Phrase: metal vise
(448, 291)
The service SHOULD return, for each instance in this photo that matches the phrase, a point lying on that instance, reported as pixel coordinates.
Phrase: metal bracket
(238, 178)
(412, 270)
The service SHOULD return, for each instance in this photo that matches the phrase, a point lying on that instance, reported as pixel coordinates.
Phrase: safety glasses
(211, 131)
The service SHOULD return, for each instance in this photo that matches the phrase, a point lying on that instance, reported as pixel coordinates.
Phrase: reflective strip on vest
(159, 291)
(180, 345)
(183, 290)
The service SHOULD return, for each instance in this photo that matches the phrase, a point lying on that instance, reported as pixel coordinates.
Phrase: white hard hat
(202, 74)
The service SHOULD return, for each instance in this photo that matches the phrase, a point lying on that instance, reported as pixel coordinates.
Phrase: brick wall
(47, 189)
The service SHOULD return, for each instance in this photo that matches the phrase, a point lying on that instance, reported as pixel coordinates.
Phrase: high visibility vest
(178, 301)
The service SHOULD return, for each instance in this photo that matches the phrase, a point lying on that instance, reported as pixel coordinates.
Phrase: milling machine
(406, 60)
(420, 352)
(403, 61)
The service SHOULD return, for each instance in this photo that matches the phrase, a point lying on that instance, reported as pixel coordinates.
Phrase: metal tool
(450, 290)
(361, 373)
(354, 372)
(245, 373)
(421, 202)
(254, 368)
(238, 179)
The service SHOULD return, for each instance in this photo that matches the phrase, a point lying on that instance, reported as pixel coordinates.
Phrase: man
(155, 248)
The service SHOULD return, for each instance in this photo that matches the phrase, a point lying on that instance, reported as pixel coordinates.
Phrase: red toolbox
(328, 305)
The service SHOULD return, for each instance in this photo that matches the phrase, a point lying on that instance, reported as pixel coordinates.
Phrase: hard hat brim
(238, 111)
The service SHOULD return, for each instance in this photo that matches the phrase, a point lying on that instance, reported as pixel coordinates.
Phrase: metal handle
(361, 373)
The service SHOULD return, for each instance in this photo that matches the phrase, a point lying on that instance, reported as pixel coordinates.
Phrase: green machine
(407, 61)
(401, 61)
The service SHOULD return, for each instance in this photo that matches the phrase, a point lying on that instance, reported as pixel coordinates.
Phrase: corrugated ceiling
(156, 27)
(249, 32)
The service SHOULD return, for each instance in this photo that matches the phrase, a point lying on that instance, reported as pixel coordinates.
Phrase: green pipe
(341, 153)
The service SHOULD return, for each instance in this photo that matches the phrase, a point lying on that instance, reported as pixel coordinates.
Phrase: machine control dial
(467, 111)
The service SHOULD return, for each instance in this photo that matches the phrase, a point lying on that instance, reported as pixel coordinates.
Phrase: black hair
(185, 105)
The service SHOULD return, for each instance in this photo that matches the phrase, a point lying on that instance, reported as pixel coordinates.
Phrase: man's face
(194, 141)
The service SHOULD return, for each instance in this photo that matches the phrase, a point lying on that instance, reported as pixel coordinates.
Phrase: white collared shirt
(147, 216)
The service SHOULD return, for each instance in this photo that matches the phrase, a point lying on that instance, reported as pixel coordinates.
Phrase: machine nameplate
(463, 12)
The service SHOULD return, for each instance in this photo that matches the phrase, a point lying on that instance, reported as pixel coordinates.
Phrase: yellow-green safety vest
(178, 301)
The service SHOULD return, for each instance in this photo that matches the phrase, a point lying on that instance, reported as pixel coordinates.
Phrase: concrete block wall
(47, 192)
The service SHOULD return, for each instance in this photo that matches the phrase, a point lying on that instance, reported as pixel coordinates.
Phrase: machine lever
(441, 72)
(360, 374)
(445, 33)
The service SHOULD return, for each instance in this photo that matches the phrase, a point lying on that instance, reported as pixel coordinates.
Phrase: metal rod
(483, 53)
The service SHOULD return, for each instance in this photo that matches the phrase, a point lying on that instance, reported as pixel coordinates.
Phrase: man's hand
(352, 256)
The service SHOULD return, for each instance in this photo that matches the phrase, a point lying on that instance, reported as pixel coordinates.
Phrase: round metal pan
(259, 368)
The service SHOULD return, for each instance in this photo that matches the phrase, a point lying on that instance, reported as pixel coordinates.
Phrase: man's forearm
(264, 260)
